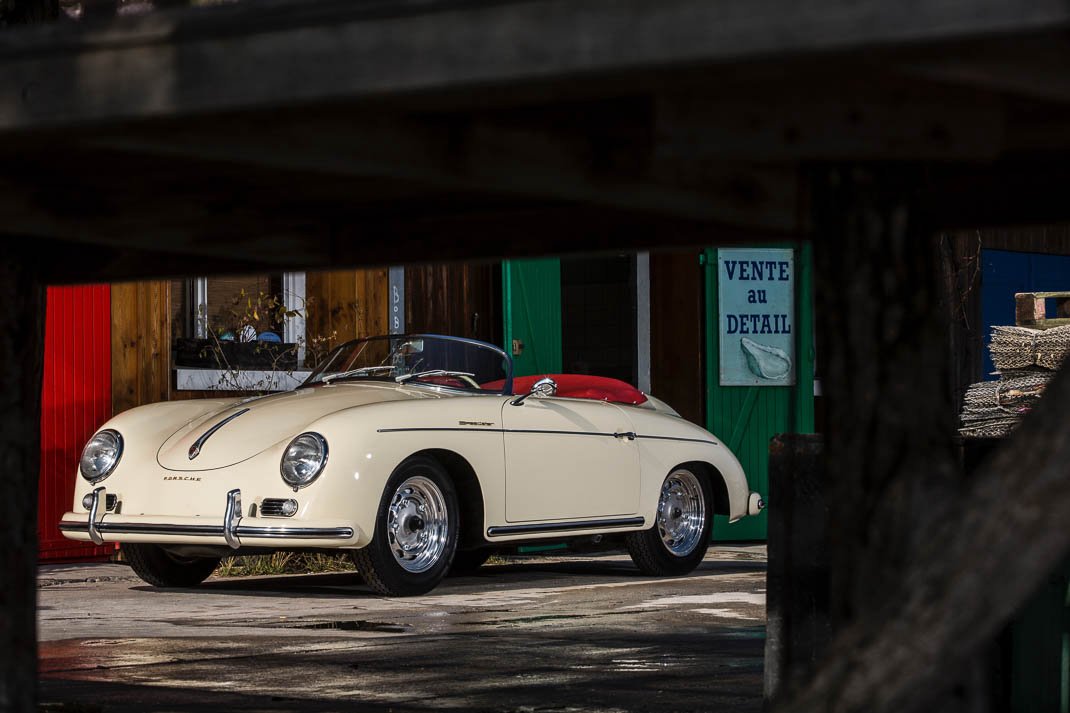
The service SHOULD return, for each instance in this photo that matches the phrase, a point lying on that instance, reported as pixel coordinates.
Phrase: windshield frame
(507, 387)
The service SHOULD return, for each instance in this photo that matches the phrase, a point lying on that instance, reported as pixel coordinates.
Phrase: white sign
(756, 303)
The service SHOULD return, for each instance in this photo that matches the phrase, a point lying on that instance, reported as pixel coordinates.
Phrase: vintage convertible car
(417, 454)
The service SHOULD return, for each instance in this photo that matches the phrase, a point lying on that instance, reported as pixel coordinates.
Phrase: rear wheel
(680, 536)
(415, 532)
(161, 568)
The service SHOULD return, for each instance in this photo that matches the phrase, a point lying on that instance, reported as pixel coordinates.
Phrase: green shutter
(747, 417)
(531, 290)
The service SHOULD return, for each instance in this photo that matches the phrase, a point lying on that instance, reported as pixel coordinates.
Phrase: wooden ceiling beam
(283, 53)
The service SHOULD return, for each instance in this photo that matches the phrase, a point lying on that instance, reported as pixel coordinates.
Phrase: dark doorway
(598, 318)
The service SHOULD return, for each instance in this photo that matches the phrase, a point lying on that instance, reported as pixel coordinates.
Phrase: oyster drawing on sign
(764, 361)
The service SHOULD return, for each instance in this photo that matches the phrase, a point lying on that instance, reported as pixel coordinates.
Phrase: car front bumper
(234, 530)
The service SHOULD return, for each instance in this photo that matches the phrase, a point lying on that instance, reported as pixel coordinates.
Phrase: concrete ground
(540, 634)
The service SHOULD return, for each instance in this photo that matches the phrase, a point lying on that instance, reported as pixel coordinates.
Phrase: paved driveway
(541, 634)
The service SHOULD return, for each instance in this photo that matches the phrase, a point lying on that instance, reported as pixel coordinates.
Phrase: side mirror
(541, 388)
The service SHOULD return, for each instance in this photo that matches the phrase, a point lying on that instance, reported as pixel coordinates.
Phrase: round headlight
(303, 460)
(101, 455)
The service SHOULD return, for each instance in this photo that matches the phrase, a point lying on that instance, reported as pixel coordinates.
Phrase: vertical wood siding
(140, 344)
(75, 401)
(346, 304)
(463, 300)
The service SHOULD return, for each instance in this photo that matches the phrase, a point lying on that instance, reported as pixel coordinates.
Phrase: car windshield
(427, 359)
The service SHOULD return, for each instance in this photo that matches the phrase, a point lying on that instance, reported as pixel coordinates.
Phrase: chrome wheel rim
(417, 524)
(681, 513)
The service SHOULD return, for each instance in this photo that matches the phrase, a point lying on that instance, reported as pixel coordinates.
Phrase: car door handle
(630, 435)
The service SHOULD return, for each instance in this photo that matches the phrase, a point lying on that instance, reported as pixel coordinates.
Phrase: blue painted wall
(1004, 273)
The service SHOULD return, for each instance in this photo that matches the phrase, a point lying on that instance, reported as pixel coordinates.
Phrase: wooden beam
(276, 52)
(601, 164)
(858, 118)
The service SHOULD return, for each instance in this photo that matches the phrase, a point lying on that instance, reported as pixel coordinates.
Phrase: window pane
(249, 303)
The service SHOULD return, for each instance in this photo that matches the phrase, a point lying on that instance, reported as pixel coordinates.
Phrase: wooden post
(21, 364)
(927, 565)
(797, 587)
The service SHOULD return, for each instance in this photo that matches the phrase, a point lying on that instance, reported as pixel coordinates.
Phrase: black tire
(377, 563)
(160, 568)
(466, 562)
(649, 550)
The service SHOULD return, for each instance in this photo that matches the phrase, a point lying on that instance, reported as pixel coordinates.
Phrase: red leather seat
(579, 386)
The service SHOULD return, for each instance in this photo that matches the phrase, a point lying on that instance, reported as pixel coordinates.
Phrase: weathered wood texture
(676, 318)
(798, 589)
(914, 544)
(960, 255)
(392, 48)
(140, 344)
(21, 359)
(461, 299)
(1031, 309)
(345, 304)
(25, 12)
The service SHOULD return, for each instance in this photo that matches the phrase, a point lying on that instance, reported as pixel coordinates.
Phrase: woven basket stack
(1026, 359)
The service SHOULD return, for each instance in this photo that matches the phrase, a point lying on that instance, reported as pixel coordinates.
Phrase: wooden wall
(346, 304)
(462, 300)
(140, 344)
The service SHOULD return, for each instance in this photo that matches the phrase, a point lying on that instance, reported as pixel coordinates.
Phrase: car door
(568, 459)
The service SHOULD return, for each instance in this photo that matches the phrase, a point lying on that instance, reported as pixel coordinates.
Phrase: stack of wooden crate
(1026, 356)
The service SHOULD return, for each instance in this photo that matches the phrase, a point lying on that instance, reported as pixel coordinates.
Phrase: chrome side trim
(231, 518)
(278, 533)
(527, 529)
(640, 436)
(195, 449)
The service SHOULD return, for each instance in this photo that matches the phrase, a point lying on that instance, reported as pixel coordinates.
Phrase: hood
(245, 428)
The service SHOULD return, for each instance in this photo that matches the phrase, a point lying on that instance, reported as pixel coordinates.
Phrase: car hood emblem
(195, 449)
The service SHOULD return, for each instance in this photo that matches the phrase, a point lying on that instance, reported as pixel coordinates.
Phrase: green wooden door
(531, 291)
(746, 417)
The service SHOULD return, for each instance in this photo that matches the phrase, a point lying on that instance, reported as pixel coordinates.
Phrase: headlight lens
(303, 460)
(101, 455)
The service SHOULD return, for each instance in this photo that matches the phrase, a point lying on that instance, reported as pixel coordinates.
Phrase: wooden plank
(125, 362)
(373, 292)
(388, 50)
(1030, 309)
(858, 118)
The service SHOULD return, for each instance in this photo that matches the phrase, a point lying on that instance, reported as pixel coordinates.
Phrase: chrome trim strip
(678, 438)
(563, 433)
(195, 449)
(498, 530)
(500, 430)
(145, 528)
(231, 518)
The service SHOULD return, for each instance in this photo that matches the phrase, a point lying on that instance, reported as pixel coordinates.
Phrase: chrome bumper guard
(755, 504)
(231, 530)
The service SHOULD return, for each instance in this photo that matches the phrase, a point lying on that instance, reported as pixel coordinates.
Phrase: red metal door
(75, 401)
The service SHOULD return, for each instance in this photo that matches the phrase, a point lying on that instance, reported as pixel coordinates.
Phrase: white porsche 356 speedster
(417, 454)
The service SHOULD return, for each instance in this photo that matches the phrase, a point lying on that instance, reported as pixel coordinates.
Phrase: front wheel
(161, 568)
(677, 542)
(415, 531)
